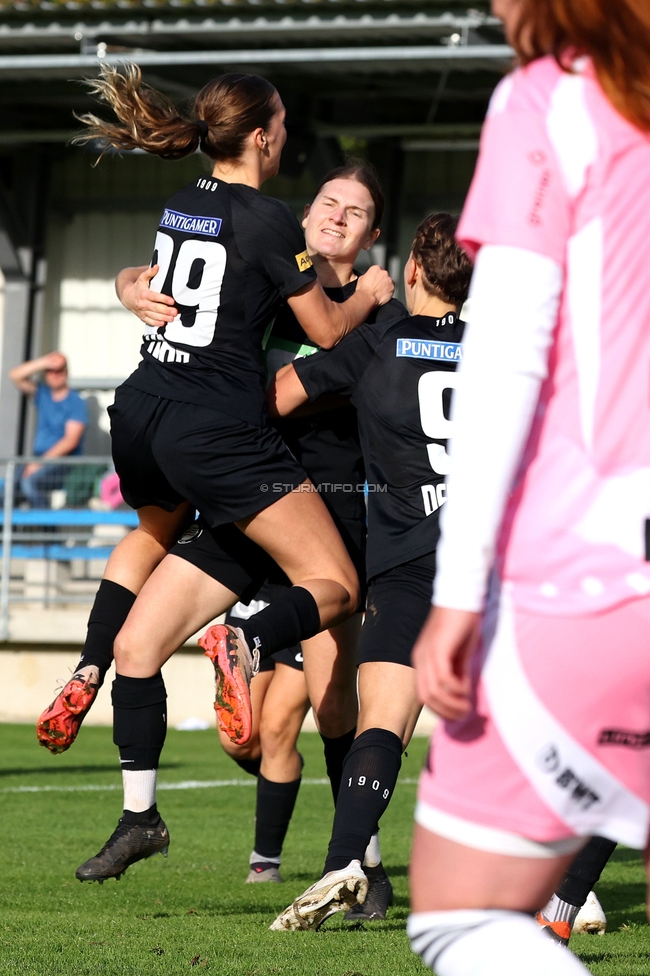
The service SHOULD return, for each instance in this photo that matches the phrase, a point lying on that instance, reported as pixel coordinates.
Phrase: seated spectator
(62, 418)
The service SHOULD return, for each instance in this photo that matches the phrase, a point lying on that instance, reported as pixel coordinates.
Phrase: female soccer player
(342, 219)
(224, 253)
(191, 425)
(400, 382)
(544, 683)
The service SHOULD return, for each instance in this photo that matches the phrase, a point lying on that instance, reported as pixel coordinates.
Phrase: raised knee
(251, 750)
(270, 734)
(276, 735)
(125, 651)
(353, 590)
(120, 649)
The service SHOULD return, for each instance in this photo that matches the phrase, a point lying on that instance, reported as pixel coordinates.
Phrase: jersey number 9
(197, 277)
(431, 389)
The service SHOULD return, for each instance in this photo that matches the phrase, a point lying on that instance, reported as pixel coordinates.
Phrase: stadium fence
(58, 530)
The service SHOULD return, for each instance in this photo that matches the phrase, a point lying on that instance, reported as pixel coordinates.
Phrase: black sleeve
(269, 237)
(388, 314)
(338, 370)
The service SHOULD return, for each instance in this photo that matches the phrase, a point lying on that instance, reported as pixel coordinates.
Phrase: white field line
(188, 784)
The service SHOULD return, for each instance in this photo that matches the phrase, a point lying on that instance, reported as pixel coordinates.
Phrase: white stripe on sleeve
(514, 302)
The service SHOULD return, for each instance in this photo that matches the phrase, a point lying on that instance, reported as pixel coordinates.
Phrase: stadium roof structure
(411, 63)
(392, 79)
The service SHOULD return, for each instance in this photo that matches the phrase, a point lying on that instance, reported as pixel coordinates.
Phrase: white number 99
(203, 298)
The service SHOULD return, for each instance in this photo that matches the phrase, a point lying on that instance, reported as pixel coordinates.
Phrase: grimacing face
(338, 224)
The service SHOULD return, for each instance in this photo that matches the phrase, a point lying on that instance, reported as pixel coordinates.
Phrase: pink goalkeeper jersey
(561, 173)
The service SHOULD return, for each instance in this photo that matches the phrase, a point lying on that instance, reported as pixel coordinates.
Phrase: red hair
(615, 34)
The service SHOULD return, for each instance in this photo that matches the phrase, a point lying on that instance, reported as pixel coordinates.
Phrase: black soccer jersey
(326, 444)
(400, 384)
(227, 257)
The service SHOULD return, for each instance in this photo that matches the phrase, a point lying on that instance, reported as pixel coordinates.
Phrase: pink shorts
(558, 745)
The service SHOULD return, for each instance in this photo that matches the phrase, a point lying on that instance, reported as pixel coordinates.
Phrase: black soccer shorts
(398, 603)
(231, 558)
(166, 452)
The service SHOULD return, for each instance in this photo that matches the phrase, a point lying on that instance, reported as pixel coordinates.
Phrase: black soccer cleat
(378, 899)
(129, 842)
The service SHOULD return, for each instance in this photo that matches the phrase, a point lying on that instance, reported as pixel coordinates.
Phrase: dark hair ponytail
(225, 111)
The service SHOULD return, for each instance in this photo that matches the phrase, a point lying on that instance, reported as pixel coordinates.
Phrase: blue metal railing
(54, 534)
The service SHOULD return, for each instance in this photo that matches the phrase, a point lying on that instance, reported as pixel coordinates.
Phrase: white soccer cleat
(287, 921)
(336, 892)
(591, 919)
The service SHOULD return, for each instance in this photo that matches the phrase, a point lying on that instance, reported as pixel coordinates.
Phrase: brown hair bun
(446, 269)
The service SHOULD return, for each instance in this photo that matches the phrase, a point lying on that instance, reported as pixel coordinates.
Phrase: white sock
(560, 911)
(256, 858)
(488, 942)
(372, 857)
(139, 789)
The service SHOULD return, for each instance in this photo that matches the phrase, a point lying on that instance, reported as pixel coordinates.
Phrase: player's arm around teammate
(331, 693)
(401, 387)
(137, 555)
(190, 424)
(343, 218)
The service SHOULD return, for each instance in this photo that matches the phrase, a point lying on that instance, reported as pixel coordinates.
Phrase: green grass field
(192, 912)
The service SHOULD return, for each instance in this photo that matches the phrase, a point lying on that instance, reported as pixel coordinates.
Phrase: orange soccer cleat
(557, 931)
(59, 724)
(234, 667)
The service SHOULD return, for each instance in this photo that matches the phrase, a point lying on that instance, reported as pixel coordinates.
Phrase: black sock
(335, 751)
(585, 871)
(251, 766)
(151, 817)
(110, 609)
(275, 803)
(139, 720)
(290, 619)
(369, 776)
